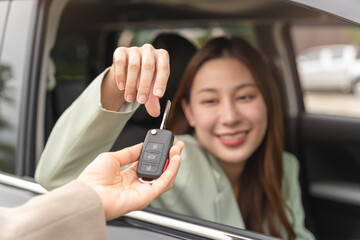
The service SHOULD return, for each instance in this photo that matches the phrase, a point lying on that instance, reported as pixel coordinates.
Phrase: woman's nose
(230, 115)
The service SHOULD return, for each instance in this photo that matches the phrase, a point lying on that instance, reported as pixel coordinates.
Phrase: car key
(154, 156)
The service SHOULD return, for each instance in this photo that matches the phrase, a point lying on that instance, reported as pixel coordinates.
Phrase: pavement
(332, 103)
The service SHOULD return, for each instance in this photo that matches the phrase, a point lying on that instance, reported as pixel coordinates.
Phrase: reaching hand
(121, 191)
(142, 69)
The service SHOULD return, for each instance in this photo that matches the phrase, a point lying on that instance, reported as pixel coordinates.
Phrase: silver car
(330, 67)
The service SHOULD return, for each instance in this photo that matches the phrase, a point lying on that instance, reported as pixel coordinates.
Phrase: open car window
(88, 32)
(87, 35)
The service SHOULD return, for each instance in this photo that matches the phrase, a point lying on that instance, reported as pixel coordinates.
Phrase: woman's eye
(244, 97)
(209, 101)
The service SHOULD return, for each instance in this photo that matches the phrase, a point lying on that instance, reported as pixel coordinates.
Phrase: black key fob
(154, 154)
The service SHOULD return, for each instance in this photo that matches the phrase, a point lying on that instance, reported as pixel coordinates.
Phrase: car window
(13, 65)
(331, 81)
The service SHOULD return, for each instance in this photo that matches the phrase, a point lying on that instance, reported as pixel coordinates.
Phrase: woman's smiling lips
(233, 139)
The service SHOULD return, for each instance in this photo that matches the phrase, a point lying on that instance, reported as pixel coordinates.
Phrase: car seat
(61, 93)
(180, 51)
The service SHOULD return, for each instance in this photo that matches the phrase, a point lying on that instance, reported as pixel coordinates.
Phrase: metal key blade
(166, 114)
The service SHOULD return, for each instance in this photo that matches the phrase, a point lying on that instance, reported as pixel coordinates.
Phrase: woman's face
(227, 110)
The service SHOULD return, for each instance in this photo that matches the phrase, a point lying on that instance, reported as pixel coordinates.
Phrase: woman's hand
(121, 191)
(139, 73)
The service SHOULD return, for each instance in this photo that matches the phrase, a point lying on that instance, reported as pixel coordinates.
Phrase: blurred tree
(6, 150)
(354, 35)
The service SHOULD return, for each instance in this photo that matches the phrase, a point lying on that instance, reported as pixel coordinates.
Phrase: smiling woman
(234, 169)
(226, 110)
(232, 107)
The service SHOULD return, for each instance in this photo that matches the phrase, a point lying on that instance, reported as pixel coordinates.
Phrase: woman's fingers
(148, 61)
(143, 74)
(133, 73)
(120, 69)
(162, 72)
(153, 106)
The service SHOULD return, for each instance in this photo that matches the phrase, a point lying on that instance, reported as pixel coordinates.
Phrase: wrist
(98, 191)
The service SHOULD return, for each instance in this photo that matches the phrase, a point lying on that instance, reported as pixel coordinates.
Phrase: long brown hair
(260, 197)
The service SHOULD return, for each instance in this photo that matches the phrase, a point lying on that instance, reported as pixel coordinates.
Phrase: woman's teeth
(230, 137)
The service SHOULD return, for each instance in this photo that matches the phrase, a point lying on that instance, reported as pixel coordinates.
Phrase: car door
(15, 60)
(4, 9)
(16, 34)
(329, 139)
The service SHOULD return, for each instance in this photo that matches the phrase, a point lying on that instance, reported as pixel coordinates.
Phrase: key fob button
(154, 147)
(149, 168)
(153, 157)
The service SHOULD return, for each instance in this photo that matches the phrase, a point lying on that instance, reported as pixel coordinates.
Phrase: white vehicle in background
(330, 67)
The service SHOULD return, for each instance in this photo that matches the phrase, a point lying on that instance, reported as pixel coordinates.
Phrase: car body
(51, 49)
(330, 67)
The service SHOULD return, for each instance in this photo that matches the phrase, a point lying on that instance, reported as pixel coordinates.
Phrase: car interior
(81, 35)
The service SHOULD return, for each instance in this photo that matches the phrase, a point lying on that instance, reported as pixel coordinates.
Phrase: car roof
(205, 9)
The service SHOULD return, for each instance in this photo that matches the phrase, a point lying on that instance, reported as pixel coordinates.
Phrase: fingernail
(142, 98)
(158, 92)
(129, 97)
(121, 86)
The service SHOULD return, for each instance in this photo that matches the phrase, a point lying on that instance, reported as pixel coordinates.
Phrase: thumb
(153, 106)
(128, 155)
